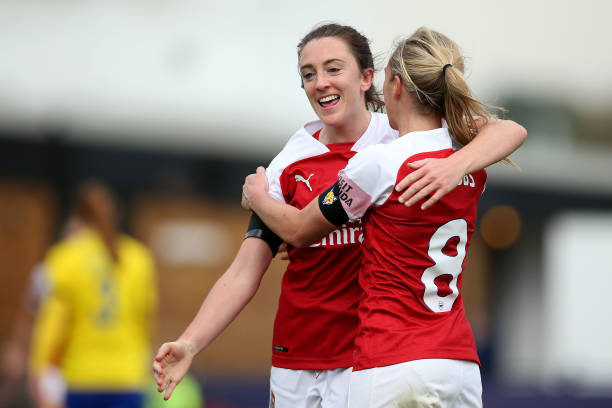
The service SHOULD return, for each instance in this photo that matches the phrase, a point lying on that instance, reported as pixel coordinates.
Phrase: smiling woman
(320, 291)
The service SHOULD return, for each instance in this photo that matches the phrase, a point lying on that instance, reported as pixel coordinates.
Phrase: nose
(322, 82)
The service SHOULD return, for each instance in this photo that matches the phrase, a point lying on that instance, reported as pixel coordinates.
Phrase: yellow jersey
(96, 321)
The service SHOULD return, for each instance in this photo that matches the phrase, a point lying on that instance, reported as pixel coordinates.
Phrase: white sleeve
(273, 173)
(365, 182)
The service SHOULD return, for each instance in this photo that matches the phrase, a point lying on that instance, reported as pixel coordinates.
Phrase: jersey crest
(330, 197)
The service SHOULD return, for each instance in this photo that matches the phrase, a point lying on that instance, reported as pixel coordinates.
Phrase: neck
(412, 121)
(348, 132)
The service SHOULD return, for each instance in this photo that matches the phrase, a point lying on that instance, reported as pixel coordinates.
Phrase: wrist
(190, 347)
(256, 198)
(463, 160)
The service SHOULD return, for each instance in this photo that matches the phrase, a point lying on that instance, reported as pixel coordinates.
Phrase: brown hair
(431, 67)
(97, 207)
(359, 46)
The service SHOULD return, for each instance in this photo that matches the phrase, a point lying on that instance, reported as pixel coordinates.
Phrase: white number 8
(444, 265)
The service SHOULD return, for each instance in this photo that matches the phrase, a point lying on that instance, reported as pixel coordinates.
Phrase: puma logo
(306, 181)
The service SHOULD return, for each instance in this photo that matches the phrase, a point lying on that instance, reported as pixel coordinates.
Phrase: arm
(436, 177)
(296, 227)
(49, 334)
(49, 338)
(226, 299)
(15, 351)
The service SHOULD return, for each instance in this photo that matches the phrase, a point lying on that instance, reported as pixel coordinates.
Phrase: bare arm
(436, 177)
(296, 227)
(230, 294)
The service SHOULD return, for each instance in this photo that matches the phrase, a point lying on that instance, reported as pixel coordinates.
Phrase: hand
(435, 177)
(171, 364)
(14, 363)
(244, 203)
(253, 185)
(283, 255)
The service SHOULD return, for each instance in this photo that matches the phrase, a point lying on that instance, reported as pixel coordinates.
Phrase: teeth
(328, 98)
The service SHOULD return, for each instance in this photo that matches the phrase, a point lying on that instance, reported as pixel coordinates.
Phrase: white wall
(577, 300)
(555, 320)
(182, 73)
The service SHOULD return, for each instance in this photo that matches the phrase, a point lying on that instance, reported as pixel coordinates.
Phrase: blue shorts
(104, 400)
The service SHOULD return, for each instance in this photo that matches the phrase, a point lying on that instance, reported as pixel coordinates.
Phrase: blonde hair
(431, 67)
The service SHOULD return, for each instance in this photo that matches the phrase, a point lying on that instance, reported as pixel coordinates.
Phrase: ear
(397, 86)
(367, 77)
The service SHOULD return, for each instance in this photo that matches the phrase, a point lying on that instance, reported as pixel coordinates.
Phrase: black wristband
(331, 207)
(258, 229)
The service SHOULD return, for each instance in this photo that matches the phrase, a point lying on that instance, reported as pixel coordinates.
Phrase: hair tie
(444, 68)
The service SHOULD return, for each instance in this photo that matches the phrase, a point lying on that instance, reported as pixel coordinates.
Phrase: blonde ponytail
(431, 67)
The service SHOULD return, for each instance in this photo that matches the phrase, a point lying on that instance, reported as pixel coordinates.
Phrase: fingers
(162, 352)
(420, 195)
(244, 202)
(164, 385)
(161, 386)
(163, 379)
(157, 371)
(261, 170)
(417, 164)
(409, 179)
(160, 375)
(282, 252)
(170, 389)
(434, 199)
(159, 380)
(407, 196)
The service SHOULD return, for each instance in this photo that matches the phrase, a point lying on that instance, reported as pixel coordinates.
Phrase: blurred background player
(48, 390)
(316, 321)
(414, 346)
(95, 323)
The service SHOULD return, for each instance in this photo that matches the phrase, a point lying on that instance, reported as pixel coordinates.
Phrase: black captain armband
(258, 229)
(331, 207)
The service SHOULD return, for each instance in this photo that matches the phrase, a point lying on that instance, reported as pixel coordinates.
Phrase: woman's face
(332, 80)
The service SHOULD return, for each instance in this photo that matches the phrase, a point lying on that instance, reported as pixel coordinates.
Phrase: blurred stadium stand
(185, 206)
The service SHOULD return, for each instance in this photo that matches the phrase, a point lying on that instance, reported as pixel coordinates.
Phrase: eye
(334, 70)
(307, 75)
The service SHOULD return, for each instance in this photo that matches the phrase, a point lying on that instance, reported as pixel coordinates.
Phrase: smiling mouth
(328, 101)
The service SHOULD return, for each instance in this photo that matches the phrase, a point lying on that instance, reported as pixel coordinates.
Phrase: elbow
(520, 132)
(523, 134)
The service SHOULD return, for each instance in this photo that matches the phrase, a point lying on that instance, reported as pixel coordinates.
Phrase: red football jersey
(412, 260)
(316, 321)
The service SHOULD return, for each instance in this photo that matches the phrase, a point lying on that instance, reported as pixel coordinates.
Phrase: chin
(331, 118)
